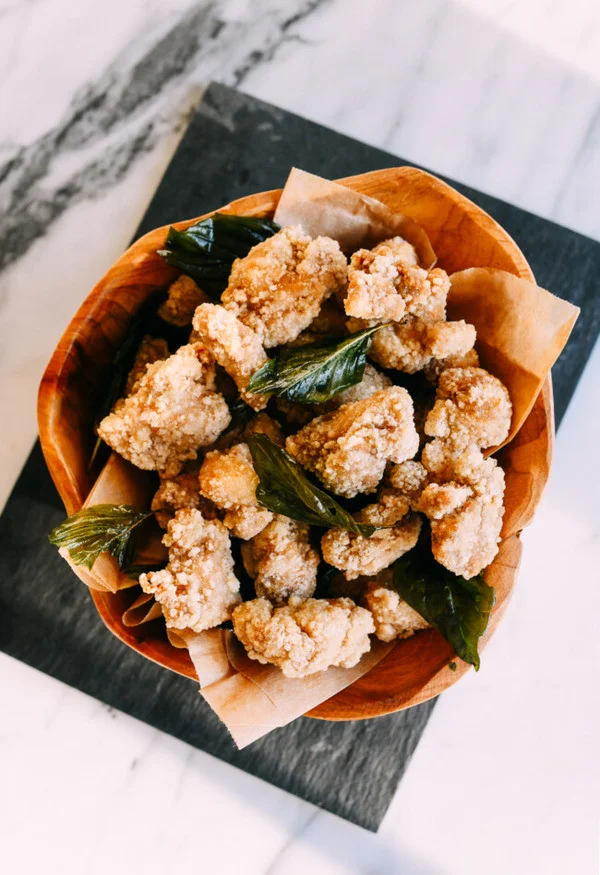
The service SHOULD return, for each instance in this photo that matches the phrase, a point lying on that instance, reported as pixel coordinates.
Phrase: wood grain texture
(463, 236)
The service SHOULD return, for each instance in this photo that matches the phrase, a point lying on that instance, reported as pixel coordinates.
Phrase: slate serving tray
(236, 145)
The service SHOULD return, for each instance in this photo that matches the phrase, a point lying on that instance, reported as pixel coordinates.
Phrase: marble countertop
(500, 94)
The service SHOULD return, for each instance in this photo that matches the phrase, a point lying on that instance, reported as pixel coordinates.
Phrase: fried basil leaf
(103, 528)
(205, 251)
(284, 488)
(313, 374)
(458, 608)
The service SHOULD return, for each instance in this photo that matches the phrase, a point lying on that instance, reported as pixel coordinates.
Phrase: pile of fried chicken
(369, 440)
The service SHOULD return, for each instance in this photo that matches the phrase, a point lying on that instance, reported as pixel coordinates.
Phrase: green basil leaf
(103, 528)
(205, 251)
(241, 413)
(134, 571)
(313, 374)
(284, 488)
(458, 608)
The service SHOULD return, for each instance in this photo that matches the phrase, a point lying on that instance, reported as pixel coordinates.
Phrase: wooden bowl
(463, 236)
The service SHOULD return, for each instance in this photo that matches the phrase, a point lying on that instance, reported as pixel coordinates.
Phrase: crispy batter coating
(383, 286)
(183, 298)
(281, 561)
(198, 589)
(173, 412)
(150, 350)
(470, 404)
(435, 367)
(413, 343)
(328, 325)
(408, 479)
(304, 637)
(392, 616)
(464, 501)
(228, 479)
(356, 555)
(235, 347)
(349, 448)
(278, 288)
(178, 492)
(399, 248)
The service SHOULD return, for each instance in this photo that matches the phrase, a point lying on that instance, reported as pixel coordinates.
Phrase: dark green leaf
(458, 608)
(134, 571)
(452, 666)
(313, 374)
(99, 529)
(284, 488)
(241, 413)
(205, 251)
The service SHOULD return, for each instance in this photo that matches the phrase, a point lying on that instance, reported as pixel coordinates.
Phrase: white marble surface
(502, 94)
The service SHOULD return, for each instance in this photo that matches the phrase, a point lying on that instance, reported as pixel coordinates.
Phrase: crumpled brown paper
(353, 219)
(521, 330)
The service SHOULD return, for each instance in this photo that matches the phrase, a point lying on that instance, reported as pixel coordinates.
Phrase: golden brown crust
(234, 346)
(356, 555)
(150, 350)
(198, 589)
(471, 405)
(228, 479)
(281, 561)
(304, 637)
(173, 412)
(178, 492)
(464, 502)
(183, 298)
(413, 343)
(349, 448)
(392, 616)
(382, 286)
(278, 288)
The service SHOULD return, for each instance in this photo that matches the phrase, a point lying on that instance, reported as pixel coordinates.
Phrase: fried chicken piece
(357, 555)
(278, 288)
(435, 367)
(281, 561)
(464, 501)
(407, 479)
(228, 479)
(413, 343)
(173, 412)
(471, 404)
(372, 381)
(198, 589)
(382, 286)
(178, 492)
(235, 347)
(349, 448)
(399, 248)
(393, 617)
(150, 350)
(304, 637)
(183, 298)
(328, 325)
(295, 414)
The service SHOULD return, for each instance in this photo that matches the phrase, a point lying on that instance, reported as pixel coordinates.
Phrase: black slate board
(236, 145)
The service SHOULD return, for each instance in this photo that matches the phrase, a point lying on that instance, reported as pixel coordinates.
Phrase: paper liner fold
(325, 208)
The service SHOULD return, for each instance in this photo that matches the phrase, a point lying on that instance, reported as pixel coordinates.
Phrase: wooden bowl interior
(462, 236)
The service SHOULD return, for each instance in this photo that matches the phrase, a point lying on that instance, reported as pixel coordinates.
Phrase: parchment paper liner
(252, 699)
